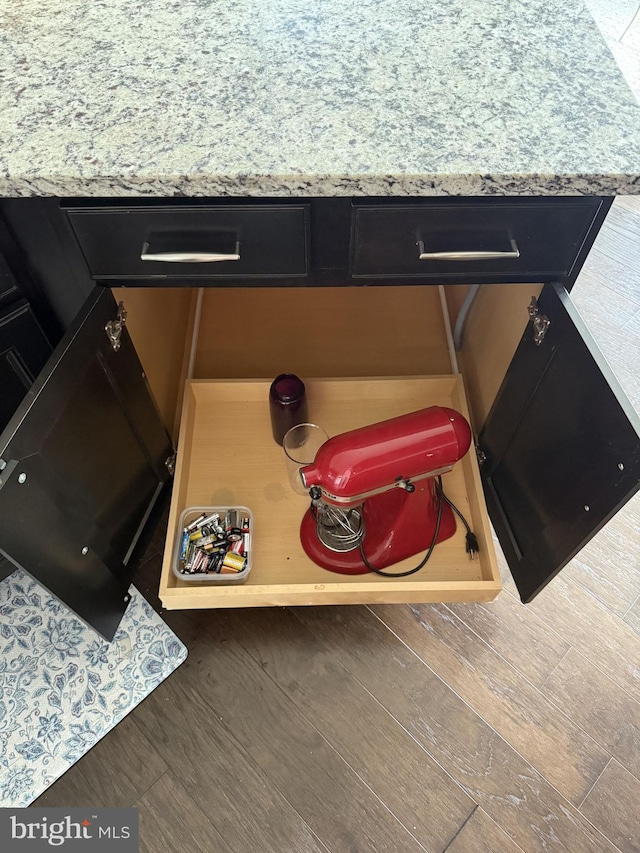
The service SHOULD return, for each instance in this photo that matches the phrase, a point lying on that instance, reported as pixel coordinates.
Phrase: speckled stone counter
(291, 97)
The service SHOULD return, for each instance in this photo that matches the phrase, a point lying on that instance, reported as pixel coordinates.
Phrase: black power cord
(472, 546)
(471, 543)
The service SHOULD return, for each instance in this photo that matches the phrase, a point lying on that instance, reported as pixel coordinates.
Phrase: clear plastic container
(190, 514)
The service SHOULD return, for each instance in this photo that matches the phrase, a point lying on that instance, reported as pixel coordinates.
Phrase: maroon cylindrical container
(287, 404)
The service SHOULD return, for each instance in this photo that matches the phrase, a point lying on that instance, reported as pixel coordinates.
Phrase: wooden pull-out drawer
(508, 239)
(227, 456)
(171, 242)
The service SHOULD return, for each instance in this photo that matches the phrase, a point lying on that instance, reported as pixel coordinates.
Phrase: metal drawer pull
(466, 256)
(189, 257)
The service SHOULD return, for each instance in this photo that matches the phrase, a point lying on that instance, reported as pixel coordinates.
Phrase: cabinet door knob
(189, 257)
(466, 256)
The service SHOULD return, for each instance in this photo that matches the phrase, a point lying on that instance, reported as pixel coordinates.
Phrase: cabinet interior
(161, 321)
(261, 332)
(347, 343)
(393, 330)
(492, 331)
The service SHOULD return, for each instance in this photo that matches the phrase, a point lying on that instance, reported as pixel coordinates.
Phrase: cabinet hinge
(114, 327)
(540, 321)
(170, 463)
(482, 456)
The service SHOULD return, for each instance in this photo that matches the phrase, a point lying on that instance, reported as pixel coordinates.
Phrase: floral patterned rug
(63, 687)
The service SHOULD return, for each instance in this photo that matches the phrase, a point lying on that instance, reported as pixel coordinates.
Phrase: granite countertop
(293, 98)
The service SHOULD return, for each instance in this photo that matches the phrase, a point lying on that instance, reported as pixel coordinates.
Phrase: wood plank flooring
(490, 727)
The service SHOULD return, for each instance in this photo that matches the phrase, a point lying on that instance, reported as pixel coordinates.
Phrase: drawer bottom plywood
(227, 456)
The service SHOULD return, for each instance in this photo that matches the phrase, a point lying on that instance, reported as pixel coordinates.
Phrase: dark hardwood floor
(463, 728)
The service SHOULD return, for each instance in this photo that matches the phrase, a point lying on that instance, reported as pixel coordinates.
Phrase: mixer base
(398, 525)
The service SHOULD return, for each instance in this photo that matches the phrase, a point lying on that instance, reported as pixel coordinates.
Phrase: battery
(184, 545)
(233, 561)
(232, 519)
(207, 540)
(196, 522)
(209, 519)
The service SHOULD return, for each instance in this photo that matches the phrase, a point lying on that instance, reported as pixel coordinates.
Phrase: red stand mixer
(374, 488)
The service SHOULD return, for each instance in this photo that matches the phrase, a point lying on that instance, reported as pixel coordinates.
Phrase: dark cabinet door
(24, 349)
(561, 446)
(82, 463)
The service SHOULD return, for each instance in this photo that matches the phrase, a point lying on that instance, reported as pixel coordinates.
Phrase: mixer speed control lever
(315, 493)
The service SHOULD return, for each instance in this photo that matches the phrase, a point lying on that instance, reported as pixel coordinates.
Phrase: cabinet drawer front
(231, 241)
(446, 241)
